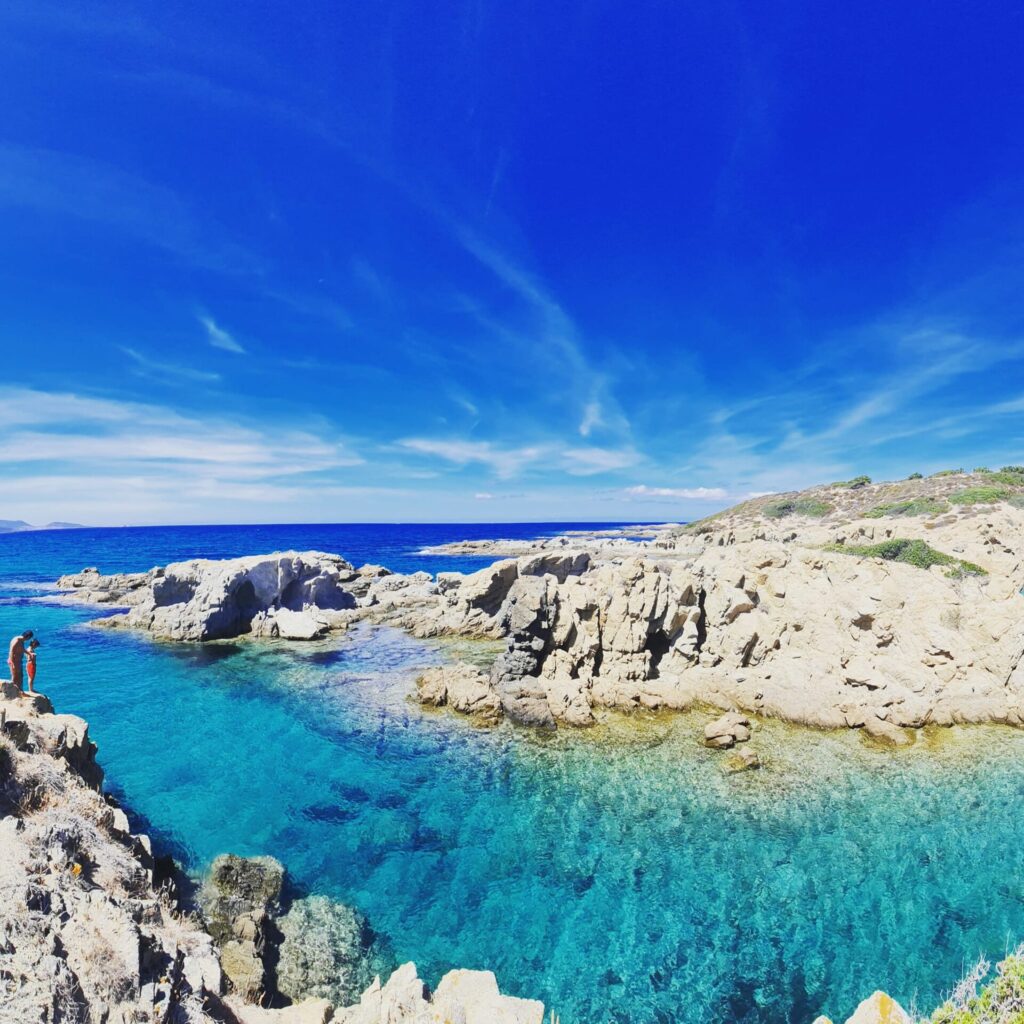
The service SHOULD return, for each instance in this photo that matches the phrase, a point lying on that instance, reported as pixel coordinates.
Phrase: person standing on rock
(30, 665)
(15, 654)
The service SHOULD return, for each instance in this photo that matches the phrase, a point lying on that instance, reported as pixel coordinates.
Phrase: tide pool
(619, 874)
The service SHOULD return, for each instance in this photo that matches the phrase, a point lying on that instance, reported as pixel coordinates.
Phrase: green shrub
(949, 472)
(910, 507)
(1001, 1001)
(982, 469)
(857, 481)
(980, 495)
(1011, 475)
(797, 507)
(916, 476)
(911, 552)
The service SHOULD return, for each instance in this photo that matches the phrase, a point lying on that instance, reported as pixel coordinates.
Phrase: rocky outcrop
(772, 608)
(469, 997)
(87, 931)
(292, 594)
(238, 898)
(775, 622)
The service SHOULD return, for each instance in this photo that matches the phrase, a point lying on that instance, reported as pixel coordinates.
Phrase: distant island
(20, 526)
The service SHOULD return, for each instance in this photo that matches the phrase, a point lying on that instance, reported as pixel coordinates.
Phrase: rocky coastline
(879, 607)
(94, 929)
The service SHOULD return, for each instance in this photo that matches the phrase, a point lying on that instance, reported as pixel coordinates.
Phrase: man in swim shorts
(15, 654)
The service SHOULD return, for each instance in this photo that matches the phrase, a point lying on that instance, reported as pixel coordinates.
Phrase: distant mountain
(18, 525)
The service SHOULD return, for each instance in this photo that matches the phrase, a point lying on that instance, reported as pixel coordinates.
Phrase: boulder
(727, 731)
(309, 1011)
(879, 1008)
(885, 732)
(473, 998)
(487, 589)
(288, 625)
(559, 564)
(403, 1000)
(461, 686)
(462, 997)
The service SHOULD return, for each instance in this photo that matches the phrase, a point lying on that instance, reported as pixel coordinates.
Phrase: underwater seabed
(619, 873)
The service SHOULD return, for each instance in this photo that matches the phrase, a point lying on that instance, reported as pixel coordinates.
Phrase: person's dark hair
(35, 643)
(26, 635)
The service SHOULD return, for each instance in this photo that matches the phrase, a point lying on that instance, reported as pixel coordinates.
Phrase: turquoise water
(619, 874)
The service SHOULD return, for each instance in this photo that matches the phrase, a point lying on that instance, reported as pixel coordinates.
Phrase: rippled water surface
(619, 874)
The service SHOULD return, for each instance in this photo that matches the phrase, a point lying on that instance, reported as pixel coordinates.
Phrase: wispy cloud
(504, 462)
(220, 338)
(83, 189)
(588, 461)
(123, 455)
(157, 368)
(681, 493)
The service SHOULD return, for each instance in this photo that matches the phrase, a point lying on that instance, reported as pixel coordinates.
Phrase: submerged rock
(327, 951)
(744, 760)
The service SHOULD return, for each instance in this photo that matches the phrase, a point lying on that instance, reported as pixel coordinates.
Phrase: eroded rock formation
(765, 608)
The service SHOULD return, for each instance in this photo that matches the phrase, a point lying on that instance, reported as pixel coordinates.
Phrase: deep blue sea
(619, 873)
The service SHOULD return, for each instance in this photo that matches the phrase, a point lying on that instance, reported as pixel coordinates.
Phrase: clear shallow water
(618, 874)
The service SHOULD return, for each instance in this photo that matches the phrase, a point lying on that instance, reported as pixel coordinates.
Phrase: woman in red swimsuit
(30, 665)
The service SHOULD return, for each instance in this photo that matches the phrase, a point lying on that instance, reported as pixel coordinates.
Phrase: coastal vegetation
(926, 506)
(1000, 1001)
(1013, 476)
(799, 506)
(911, 552)
(980, 495)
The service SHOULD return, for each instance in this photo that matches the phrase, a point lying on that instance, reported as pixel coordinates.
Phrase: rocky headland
(885, 607)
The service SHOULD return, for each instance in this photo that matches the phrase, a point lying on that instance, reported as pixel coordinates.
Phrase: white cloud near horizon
(66, 456)
(683, 493)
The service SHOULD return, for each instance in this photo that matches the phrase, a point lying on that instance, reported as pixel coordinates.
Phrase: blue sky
(492, 261)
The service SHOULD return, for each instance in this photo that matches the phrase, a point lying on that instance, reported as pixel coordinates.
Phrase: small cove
(618, 873)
